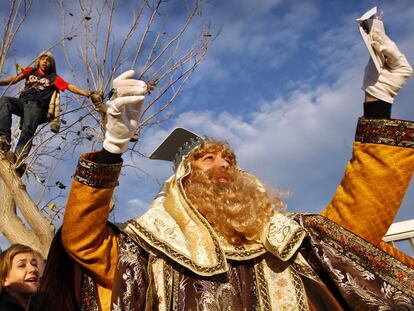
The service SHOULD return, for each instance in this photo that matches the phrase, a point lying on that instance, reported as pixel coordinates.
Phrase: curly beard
(232, 203)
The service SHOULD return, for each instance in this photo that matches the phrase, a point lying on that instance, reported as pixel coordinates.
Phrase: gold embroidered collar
(175, 228)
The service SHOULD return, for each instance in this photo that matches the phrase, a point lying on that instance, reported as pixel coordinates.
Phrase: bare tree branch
(161, 49)
(19, 9)
(14, 190)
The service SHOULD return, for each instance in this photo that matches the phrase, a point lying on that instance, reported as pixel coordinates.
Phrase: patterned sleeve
(376, 178)
(85, 233)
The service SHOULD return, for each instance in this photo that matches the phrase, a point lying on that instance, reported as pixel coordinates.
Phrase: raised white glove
(123, 111)
(395, 72)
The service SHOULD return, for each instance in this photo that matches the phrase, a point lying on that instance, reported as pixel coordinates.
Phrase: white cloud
(302, 140)
(134, 207)
(298, 140)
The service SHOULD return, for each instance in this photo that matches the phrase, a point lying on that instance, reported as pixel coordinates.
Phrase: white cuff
(115, 145)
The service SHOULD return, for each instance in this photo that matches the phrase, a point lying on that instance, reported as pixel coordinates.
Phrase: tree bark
(39, 232)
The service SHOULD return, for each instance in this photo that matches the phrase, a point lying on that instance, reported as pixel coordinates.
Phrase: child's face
(44, 63)
(23, 277)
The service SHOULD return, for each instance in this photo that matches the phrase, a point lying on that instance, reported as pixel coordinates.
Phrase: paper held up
(366, 23)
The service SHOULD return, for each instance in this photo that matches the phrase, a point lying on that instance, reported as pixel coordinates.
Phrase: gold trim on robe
(173, 226)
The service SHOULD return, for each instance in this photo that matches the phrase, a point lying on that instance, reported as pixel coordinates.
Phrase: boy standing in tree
(32, 103)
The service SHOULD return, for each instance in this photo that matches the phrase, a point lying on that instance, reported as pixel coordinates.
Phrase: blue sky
(281, 83)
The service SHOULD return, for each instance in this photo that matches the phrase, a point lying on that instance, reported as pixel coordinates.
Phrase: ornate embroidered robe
(171, 258)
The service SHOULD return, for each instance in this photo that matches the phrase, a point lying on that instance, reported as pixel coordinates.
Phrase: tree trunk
(39, 232)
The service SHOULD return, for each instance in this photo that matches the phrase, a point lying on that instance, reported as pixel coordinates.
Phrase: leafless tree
(165, 57)
(36, 230)
(13, 20)
(162, 40)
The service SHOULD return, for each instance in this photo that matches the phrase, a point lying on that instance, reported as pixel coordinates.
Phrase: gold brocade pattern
(285, 287)
(218, 297)
(168, 273)
(170, 226)
(372, 189)
(174, 227)
(376, 179)
(151, 294)
(175, 290)
(352, 248)
(97, 175)
(391, 132)
(161, 282)
(299, 290)
(262, 290)
(303, 268)
(244, 254)
(283, 237)
(241, 251)
(279, 285)
(282, 246)
(172, 253)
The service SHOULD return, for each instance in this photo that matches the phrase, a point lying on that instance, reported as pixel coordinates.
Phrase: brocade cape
(171, 258)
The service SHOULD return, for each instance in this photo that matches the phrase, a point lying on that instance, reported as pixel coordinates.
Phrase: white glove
(123, 111)
(395, 72)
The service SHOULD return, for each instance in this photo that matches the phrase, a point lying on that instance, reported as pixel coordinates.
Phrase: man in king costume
(215, 238)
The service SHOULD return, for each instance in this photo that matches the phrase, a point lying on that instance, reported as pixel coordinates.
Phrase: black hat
(179, 143)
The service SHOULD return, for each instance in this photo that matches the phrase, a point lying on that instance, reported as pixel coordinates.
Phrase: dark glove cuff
(106, 157)
(378, 109)
(97, 175)
(391, 132)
